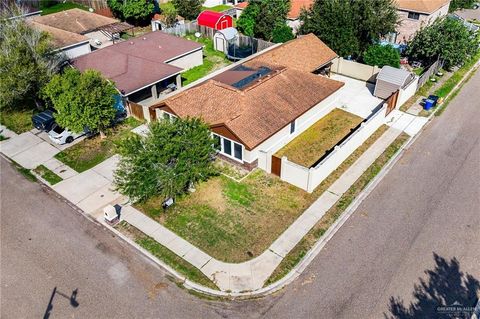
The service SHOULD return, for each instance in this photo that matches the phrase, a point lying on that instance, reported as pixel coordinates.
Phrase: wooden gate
(136, 110)
(392, 102)
(276, 165)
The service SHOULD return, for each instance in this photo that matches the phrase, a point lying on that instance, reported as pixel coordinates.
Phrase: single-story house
(415, 14)
(69, 43)
(262, 103)
(71, 28)
(293, 16)
(144, 67)
(214, 20)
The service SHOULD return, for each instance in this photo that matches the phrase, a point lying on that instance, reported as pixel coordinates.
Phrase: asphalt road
(413, 243)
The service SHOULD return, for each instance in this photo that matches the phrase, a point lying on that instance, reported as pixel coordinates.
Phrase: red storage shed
(215, 20)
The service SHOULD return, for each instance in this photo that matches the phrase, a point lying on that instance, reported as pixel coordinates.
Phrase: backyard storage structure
(390, 79)
(215, 20)
(223, 38)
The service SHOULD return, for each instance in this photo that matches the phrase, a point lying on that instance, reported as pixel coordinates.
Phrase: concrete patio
(356, 96)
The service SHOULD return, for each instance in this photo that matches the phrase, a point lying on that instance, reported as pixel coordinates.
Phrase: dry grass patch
(307, 148)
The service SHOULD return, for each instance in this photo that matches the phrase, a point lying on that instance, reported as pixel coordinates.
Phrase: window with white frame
(228, 147)
(168, 116)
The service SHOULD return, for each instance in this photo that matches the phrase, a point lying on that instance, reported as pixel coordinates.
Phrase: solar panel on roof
(262, 71)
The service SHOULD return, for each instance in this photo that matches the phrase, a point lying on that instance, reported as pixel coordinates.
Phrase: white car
(60, 135)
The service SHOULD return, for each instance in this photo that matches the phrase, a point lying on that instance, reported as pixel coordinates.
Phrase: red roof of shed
(209, 18)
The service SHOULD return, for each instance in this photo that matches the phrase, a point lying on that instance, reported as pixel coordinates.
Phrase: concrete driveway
(28, 150)
(93, 189)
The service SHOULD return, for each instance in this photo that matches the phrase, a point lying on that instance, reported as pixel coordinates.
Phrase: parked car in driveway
(61, 135)
(43, 121)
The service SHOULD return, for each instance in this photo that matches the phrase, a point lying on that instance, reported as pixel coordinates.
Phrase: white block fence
(309, 178)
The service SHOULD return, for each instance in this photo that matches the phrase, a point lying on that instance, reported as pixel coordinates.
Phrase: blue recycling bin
(428, 104)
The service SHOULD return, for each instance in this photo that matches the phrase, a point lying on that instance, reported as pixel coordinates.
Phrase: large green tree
(189, 9)
(137, 11)
(27, 61)
(349, 27)
(173, 156)
(460, 4)
(82, 100)
(266, 19)
(447, 39)
(381, 55)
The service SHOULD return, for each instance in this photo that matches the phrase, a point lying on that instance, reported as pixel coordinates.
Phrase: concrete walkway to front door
(251, 275)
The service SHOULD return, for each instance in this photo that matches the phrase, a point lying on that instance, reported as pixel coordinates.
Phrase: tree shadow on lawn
(445, 286)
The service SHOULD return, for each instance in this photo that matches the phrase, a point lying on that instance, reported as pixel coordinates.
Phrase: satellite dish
(198, 35)
(90, 9)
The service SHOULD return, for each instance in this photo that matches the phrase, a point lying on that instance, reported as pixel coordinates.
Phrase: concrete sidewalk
(252, 274)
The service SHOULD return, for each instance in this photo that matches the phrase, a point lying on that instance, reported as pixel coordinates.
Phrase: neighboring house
(71, 44)
(261, 103)
(214, 20)
(293, 16)
(415, 14)
(159, 22)
(71, 28)
(145, 67)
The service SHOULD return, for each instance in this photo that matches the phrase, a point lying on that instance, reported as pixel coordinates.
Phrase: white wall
(77, 50)
(309, 179)
(212, 3)
(188, 61)
(282, 137)
(408, 92)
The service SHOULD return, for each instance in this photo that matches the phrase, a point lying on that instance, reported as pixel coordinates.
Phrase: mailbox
(110, 214)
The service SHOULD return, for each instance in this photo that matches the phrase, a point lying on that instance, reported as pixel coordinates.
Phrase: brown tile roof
(59, 38)
(423, 6)
(75, 20)
(258, 111)
(295, 7)
(306, 53)
(138, 62)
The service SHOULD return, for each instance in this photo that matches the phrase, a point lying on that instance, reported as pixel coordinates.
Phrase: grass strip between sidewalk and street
(47, 175)
(164, 254)
(301, 249)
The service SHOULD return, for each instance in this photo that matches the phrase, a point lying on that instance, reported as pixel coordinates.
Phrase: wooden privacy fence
(429, 72)
(136, 110)
(241, 40)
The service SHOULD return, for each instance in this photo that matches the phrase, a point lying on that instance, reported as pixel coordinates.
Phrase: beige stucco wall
(407, 27)
(188, 61)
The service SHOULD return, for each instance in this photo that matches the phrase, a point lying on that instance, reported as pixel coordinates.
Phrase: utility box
(110, 214)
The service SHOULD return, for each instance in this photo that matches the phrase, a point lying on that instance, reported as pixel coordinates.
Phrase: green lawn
(62, 7)
(48, 175)
(18, 121)
(92, 151)
(233, 221)
(165, 255)
(212, 61)
(301, 249)
(307, 148)
(219, 8)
